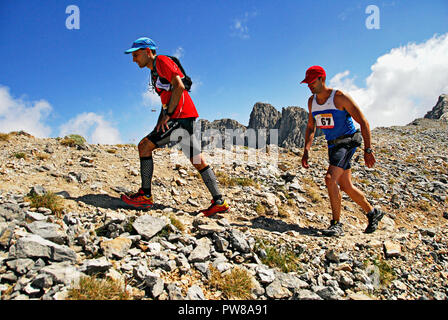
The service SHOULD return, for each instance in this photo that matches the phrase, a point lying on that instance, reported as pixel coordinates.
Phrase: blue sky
(54, 80)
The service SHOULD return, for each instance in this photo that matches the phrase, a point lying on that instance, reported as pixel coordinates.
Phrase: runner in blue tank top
(333, 112)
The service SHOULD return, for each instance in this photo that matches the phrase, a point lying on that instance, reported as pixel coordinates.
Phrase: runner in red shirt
(177, 117)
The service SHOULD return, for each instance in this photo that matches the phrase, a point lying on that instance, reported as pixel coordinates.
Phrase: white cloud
(17, 114)
(93, 127)
(150, 98)
(404, 83)
(197, 83)
(239, 26)
(179, 53)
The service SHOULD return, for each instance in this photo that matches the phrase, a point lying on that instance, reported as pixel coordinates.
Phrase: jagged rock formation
(440, 110)
(290, 126)
(264, 116)
(230, 132)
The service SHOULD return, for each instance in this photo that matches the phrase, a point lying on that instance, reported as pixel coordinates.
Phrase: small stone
(37, 190)
(392, 249)
(50, 231)
(31, 216)
(276, 291)
(265, 274)
(93, 266)
(148, 226)
(359, 296)
(202, 251)
(117, 247)
(306, 294)
(239, 241)
(155, 284)
(195, 293)
(332, 256)
(42, 281)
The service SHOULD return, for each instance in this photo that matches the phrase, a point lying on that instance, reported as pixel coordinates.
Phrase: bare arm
(344, 101)
(309, 135)
(178, 89)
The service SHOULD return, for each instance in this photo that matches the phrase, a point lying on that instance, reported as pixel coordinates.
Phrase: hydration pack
(160, 84)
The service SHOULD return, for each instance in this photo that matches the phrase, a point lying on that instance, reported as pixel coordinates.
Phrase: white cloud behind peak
(404, 83)
(93, 127)
(18, 114)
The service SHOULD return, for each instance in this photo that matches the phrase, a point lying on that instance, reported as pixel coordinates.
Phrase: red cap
(313, 73)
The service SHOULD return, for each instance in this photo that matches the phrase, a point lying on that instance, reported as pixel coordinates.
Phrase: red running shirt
(167, 68)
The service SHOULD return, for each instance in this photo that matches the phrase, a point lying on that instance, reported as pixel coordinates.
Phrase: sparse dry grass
(73, 140)
(283, 211)
(48, 200)
(93, 288)
(227, 181)
(387, 273)
(260, 209)
(236, 284)
(177, 223)
(286, 260)
(42, 156)
(312, 190)
(20, 155)
(424, 206)
(4, 137)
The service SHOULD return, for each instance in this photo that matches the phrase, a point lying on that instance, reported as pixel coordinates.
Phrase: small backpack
(160, 84)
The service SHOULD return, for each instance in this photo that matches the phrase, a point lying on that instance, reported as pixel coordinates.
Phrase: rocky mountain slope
(272, 232)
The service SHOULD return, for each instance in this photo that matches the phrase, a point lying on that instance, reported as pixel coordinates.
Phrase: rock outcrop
(289, 126)
(440, 110)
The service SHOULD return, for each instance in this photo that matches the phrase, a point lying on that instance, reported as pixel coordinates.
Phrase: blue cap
(142, 43)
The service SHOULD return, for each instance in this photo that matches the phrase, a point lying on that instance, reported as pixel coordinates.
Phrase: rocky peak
(264, 116)
(292, 127)
(440, 110)
(221, 124)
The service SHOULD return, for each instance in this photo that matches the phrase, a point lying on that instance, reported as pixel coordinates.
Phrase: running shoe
(138, 200)
(335, 229)
(374, 218)
(216, 207)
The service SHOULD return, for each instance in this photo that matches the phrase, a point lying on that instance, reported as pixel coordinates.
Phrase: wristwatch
(368, 150)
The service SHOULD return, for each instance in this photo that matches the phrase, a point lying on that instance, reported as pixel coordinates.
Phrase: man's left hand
(163, 123)
(369, 158)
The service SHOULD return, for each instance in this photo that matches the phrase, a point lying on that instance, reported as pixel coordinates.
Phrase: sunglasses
(136, 53)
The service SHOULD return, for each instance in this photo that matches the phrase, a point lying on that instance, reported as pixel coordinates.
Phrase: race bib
(325, 121)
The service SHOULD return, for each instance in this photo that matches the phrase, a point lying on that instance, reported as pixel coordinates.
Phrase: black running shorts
(340, 156)
(179, 131)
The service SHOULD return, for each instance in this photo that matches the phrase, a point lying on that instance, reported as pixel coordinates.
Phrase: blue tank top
(333, 122)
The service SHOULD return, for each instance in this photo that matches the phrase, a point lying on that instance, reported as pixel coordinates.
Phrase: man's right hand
(305, 160)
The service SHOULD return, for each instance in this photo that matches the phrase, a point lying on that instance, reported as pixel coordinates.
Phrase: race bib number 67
(325, 121)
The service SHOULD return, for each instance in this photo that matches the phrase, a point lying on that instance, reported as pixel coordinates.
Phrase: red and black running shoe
(138, 200)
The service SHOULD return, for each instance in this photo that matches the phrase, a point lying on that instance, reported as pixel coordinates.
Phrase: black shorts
(179, 131)
(340, 156)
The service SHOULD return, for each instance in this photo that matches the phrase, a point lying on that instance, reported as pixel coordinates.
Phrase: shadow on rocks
(271, 225)
(107, 202)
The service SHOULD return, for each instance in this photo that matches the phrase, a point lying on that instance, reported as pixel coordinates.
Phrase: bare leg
(345, 182)
(198, 162)
(331, 180)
